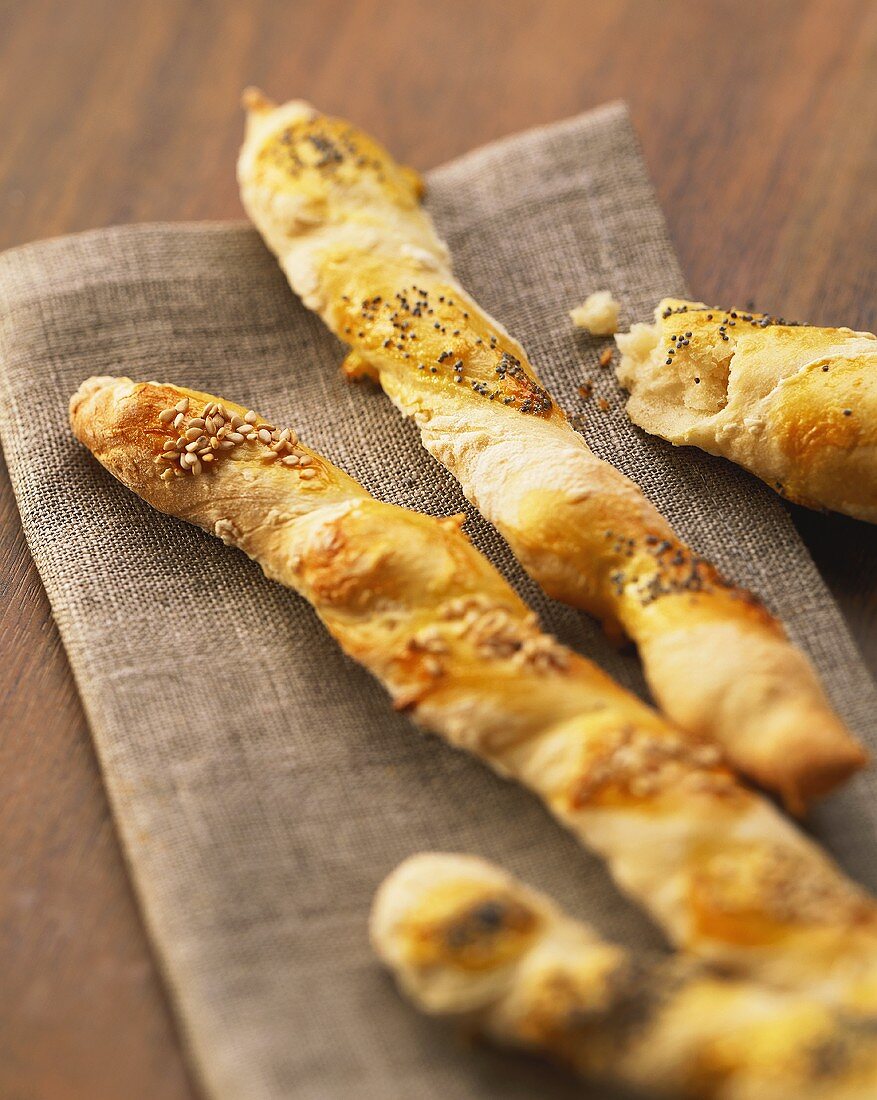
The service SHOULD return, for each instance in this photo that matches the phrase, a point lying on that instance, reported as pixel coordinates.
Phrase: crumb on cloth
(598, 314)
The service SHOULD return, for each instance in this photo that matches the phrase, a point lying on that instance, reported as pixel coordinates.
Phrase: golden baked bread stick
(469, 943)
(346, 224)
(794, 404)
(723, 872)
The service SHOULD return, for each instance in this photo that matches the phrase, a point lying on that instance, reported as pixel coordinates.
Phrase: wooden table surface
(758, 121)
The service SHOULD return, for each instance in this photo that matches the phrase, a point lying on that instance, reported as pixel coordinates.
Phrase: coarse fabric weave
(261, 782)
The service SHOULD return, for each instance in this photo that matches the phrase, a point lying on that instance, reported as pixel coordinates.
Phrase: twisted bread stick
(795, 404)
(409, 597)
(346, 224)
(468, 942)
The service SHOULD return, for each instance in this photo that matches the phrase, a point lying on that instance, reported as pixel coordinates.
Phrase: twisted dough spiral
(467, 942)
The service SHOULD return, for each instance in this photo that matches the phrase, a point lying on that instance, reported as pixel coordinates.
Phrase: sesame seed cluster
(673, 568)
(200, 440)
(645, 765)
(494, 633)
(476, 930)
(726, 320)
(792, 889)
(416, 315)
(312, 145)
(729, 320)
(756, 320)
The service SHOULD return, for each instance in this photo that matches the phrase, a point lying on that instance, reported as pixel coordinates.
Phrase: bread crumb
(603, 404)
(585, 389)
(606, 357)
(598, 314)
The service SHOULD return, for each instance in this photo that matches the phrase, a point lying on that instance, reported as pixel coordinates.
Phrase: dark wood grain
(759, 125)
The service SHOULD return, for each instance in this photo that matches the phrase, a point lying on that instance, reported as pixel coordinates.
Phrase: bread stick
(468, 943)
(794, 404)
(723, 872)
(347, 226)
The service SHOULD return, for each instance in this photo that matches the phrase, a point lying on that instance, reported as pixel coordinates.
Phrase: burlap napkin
(261, 783)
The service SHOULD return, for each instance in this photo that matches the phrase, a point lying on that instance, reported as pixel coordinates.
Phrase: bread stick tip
(254, 99)
(820, 774)
(87, 390)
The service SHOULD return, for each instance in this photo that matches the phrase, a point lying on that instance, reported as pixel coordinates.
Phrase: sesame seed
(250, 417)
(167, 415)
(191, 450)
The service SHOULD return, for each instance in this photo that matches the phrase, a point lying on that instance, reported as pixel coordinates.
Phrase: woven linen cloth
(261, 783)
